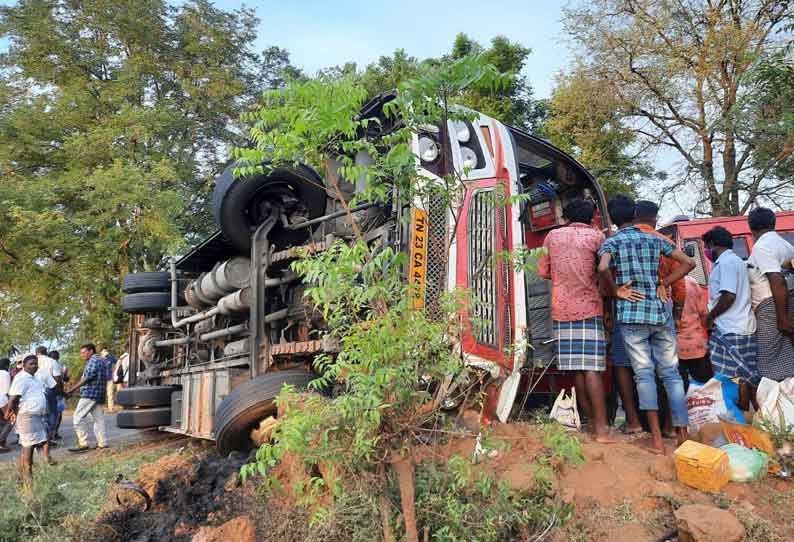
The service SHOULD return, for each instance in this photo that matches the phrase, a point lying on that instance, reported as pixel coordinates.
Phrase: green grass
(457, 503)
(69, 494)
(562, 445)
(759, 529)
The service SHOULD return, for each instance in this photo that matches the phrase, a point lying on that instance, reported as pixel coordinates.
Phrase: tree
(766, 115)
(513, 103)
(388, 72)
(115, 116)
(679, 70)
(586, 120)
(464, 46)
(388, 349)
(277, 69)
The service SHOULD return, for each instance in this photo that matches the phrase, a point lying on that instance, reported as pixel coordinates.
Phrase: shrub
(457, 504)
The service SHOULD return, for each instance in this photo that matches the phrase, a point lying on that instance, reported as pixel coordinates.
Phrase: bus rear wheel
(250, 403)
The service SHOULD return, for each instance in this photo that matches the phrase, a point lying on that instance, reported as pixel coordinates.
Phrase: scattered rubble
(239, 529)
(699, 523)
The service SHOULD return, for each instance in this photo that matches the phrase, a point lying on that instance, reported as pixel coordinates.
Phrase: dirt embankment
(188, 489)
(623, 492)
(620, 493)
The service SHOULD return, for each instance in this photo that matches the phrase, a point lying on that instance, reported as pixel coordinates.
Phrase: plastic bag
(708, 402)
(746, 464)
(565, 411)
(776, 402)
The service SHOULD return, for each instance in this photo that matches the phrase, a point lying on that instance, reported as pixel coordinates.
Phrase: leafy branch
(394, 363)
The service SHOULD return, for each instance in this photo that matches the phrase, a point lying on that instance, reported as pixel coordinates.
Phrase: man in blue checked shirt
(649, 343)
(92, 387)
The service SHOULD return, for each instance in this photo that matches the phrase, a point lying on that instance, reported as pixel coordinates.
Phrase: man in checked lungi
(577, 309)
(732, 343)
(770, 296)
(647, 337)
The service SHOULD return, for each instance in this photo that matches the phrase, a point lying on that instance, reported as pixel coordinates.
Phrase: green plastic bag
(746, 464)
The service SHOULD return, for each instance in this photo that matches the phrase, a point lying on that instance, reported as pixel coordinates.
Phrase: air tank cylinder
(228, 277)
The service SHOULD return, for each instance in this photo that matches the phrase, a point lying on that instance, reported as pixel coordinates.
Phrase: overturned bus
(213, 339)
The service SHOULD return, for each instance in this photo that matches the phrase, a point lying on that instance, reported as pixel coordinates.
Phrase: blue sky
(321, 33)
(324, 33)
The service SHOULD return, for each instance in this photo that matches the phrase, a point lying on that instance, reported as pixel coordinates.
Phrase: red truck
(687, 235)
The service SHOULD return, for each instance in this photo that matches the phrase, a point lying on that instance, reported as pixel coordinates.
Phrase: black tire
(241, 205)
(148, 281)
(146, 302)
(250, 403)
(146, 396)
(143, 418)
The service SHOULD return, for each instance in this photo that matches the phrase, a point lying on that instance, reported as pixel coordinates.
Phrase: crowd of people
(33, 397)
(665, 330)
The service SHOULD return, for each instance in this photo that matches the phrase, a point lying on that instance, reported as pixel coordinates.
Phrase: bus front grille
(482, 275)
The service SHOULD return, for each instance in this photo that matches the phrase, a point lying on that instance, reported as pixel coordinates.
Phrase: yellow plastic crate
(702, 467)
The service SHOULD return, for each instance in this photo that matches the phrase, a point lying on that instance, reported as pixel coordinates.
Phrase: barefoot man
(28, 406)
(621, 211)
(578, 310)
(648, 339)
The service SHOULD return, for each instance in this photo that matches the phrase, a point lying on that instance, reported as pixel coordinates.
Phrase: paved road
(117, 438)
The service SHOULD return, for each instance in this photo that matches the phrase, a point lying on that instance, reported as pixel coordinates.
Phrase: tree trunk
(404, 467)
(707, 172)
(730, 187)
(388, 535)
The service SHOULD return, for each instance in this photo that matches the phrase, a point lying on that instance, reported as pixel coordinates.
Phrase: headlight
(469, 157)
(462, 132)
(428, 149)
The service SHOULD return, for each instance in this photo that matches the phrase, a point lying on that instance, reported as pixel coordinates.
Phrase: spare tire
(147, 281)
(146, 302)
(141, 418)
(241, 205)
(145, 396)
(250, 403)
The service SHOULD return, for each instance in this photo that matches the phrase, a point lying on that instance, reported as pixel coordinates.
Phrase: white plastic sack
(565, 411)
(708, 402)
(776, 402)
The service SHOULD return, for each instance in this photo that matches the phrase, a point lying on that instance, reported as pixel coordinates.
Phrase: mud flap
(509, 391)
(507, 396)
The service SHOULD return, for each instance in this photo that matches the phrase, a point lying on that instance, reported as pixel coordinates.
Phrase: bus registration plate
(418, 263)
